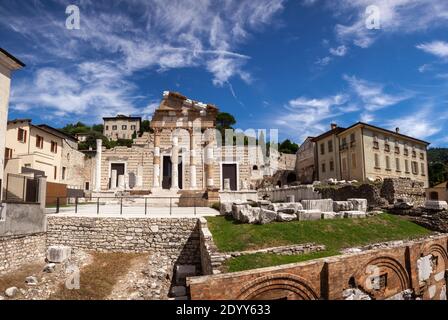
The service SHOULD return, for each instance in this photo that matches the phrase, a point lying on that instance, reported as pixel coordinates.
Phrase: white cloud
(437, 48)
(373, 95)
(425, 67)
(420, 125)
(166, 35)
(367, 117)
(339, 51)
(323, 61)
(396, 16)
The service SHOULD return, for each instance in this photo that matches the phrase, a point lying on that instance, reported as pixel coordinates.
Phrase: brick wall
(420, 266)
(174, 238)
(16, 251)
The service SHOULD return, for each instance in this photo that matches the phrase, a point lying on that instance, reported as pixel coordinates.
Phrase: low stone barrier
(16, 251)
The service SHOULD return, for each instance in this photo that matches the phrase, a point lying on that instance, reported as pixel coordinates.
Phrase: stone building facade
(365, 152)
(182, 152)
(305, 162)
(438, 192)
(121, 127)
(8, 64)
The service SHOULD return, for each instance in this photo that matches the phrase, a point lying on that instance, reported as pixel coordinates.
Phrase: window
(39, 142)
(330, 146)
(107, 127)
(54, 147)
(406, 152)
(114, 128)
(414, 153)
(133, 127)
(397, 164)
(331, 165)
(386, 145)
(87, 186)
(423, 169)
(354, 160)
(344, 144)
(377, 161)
(414, 167)
(397, 150)
(8, 154)
(406, 165)
(21, 135)
(124, 127)
(352, 137)
(388, 163)
(323, 167)
(422, 156)
(55, 173)
(322, 148)
(64, 171)
(376, 144)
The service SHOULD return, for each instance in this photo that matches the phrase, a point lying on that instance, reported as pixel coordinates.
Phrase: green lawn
(334, 234)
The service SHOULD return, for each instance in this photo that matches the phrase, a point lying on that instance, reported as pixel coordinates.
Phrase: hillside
(438, 165)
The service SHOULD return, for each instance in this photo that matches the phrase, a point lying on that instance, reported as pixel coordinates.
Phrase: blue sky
(292, 65)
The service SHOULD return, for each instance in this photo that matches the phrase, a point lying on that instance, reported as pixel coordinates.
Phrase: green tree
(288, 147)
(224, 121)
(98, 128)
(145, 126)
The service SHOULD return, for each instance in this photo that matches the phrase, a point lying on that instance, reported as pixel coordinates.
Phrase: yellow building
(8, 64)
(364, 152)
(121, 127)
(35, 149)
(438, 192)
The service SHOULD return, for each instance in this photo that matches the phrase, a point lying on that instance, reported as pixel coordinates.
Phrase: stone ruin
(264, 212)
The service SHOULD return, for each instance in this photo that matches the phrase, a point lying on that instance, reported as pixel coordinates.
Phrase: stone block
(225, 209)
(342, 206)
(11, 292)
(267, 216)
(331, 215)
(354, 214)
(436, 205)
(359, 204)
(283, 217)
(250, 215)
(323, 205)
(58, 254)
(309, 215)
(290, 198)
(31, 281)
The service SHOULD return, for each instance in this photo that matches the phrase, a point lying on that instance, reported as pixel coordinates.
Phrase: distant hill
(438, 165)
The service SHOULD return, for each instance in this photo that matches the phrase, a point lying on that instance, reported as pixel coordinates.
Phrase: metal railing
(146, 204)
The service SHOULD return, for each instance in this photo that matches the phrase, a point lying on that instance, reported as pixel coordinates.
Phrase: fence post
(146, 206)
(194, 200)
(98, 205)
(171, 206)
(57, 205)
(24, 186)
(76, 204)
(121, 206)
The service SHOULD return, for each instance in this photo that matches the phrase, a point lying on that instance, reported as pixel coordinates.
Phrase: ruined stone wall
(371, 192)
(16, 251)
(174, 238)
(406, 189)
(77, 165)
(414, 269)
(132, 158)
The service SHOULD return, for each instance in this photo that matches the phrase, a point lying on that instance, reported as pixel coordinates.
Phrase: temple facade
(182, 151)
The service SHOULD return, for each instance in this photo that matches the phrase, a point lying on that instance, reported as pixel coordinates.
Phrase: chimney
(333, 126)
(397, 130)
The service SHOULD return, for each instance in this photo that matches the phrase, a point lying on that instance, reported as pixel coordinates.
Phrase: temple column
(156, 161)
(193, 184)
(209, 161)
(175, 164)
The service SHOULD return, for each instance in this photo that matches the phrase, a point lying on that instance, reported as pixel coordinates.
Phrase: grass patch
(334, 234)
(98, 278)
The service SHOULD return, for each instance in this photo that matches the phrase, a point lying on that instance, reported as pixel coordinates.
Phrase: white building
(8, 64)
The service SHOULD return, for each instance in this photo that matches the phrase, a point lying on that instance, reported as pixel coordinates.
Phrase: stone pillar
(175, 164)
(113, 179)
(193, 184)
(99, 152)
(121, 182)
(42, 192)
(209, 160)
(139, 178)
(156, 181)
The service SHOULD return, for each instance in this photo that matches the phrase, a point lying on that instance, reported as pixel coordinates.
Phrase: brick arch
(398, 277)
(437, 248)
(278, 286)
